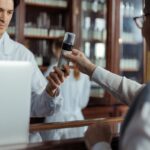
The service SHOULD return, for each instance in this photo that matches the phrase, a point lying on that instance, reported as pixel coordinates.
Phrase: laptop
(15, 93)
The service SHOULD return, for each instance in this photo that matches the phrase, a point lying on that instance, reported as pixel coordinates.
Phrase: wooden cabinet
(105, 111)
(100, 39)
(39, 24)
(100, 32)
(131, 41)
(93, 25)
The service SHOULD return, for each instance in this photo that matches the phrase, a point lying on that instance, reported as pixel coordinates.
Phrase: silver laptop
(15, 91)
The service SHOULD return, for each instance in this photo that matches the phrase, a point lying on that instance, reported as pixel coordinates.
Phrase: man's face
(146, 31)
(6, 12)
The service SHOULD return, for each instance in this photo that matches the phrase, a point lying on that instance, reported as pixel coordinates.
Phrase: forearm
(43, 105)
(122, 88)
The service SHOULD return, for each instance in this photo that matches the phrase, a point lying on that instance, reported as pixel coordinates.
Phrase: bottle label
(67, 47)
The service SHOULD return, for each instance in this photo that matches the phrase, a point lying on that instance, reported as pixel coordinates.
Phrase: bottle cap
(69, 38)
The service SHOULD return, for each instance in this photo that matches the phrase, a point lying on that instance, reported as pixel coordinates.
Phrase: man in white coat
(45, 99)
(123, 89)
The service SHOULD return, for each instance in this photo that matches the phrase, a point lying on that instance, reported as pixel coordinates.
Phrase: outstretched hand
(56, 78)
(83, 63)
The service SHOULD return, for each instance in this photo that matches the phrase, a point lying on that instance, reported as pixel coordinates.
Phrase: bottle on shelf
(132, 13)
(87, 28)
(84, 5)
(98, 29)
(100, 54)
(95, 6)
(100, 6)
(87, 48)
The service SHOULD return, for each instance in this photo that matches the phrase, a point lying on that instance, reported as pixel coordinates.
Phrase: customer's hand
(55, 79)
(99, 132)
(83, 63)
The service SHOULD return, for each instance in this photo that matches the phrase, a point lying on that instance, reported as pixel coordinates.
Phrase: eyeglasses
(140, 20)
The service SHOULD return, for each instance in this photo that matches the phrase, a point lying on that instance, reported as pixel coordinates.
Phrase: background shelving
(94, 36)
(131, 42)
(44, 24)
(101, 34)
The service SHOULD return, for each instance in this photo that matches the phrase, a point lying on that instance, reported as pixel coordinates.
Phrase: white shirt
(122, 88)
(41, 103)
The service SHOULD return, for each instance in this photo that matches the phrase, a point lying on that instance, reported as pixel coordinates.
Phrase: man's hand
(55, 79)
(78, 58)
(99, 132)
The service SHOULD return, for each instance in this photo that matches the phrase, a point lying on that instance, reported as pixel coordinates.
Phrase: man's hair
(16, 3)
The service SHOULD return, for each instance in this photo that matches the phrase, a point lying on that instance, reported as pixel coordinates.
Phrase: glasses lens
(139, 21)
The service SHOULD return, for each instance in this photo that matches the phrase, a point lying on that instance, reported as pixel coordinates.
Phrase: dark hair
(16, 3)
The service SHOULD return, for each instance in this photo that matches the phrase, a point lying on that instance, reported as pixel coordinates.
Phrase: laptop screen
(15, 92)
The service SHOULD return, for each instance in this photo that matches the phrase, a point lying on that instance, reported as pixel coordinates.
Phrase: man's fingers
(71, 56)
(52, 83)
(66, 70)
(59, 73)
(75, 51)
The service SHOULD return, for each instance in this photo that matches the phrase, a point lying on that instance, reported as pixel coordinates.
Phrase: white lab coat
(41, 103)
(75, 95)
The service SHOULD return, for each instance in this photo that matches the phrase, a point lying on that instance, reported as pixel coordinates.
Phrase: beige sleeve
(120, 87)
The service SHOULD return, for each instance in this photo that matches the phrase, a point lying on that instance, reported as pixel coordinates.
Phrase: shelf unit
(44, 23)
(131, 48)
(42, 5)
(103, 29)
(93, 25)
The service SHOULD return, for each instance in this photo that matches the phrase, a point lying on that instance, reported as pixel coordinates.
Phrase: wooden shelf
(43, 37)
(129, 70)
(94, 14)
(50, 7)
(130, 42)
(96, 101)
(97, 112)
(93, 40)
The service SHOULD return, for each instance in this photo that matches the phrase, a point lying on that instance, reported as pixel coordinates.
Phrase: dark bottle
(67, 45)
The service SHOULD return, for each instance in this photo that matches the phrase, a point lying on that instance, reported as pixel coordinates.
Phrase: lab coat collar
(6, 44)
(1, 40)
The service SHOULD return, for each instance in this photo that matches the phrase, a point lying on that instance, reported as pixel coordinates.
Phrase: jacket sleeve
(41, 103)
(120, 87)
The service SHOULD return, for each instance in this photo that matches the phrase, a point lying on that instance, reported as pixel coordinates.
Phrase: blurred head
(146, 23)
(6, 12)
